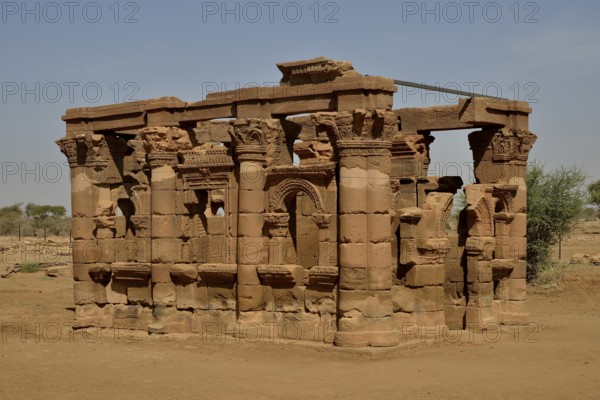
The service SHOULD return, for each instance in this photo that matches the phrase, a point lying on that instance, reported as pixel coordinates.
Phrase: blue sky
(58, 55)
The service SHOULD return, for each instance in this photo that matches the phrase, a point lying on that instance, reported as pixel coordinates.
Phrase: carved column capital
(162, 144)
(323, 221)
(369, 130)
(72, 149)
(256, 139)
(512, 145)
(162, 158)
(165, 139)
(480, 247)
(277, 224)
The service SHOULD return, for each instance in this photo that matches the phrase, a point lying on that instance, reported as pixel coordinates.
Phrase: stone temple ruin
(197, 217)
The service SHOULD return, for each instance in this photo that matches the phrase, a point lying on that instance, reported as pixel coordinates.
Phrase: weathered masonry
(302, 211)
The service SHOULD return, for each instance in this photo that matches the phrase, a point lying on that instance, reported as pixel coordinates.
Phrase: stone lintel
(470, 113)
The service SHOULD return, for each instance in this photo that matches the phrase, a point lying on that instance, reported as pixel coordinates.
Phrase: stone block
(250, 225)
(166, 250)
(83, 228)
(454, 316)
(163, 178)
(379, 278)
(368, 303)
(519, 270)
(140, 293)
(252, 176)
(163, 202)
(479, 317)
(430, 319)
(514, 312)
(320, 300)
(293, 327)
(516, 289)
(216, 226)
(251, 201)
(403, 299)
(166, 226)
(85, 252)
(353, 255)
(287, 299)
(379, 195)
(184, 273)
(379, 228)
(93, 315)
(379, 255)
(480, 294)
(353, 200)
(251, 250)
(87, 292)
(164, 294)
(170, 320)
(191, 296)
(429, 299)
(116, 292)
(479, 271)
(514, 248)
(250, 297)
(353, 228)
(221, 297)
(405, 324)
(425, 275)
(214, 326)
(454, 293)
(518, 227)
(353, 278)
(81, 272)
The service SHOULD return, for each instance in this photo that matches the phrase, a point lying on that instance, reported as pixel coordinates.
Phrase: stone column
(363, 140)
(161, 145)
(83, 202)
(500, 157)
(251, 138)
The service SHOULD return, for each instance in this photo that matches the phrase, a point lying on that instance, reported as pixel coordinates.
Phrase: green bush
(555, 200)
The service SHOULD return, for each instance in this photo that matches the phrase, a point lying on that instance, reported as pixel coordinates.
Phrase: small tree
(594, 190)
(11, 217)
(554, 201)
(46, 217)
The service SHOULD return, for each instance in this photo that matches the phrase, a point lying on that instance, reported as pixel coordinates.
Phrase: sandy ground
(557, 356)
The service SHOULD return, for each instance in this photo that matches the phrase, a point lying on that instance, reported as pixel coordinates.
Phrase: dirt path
(560, 360)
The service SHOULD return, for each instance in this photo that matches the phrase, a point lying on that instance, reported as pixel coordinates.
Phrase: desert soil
(557, 356)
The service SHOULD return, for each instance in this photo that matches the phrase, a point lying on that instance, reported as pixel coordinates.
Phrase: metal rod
(441, 89)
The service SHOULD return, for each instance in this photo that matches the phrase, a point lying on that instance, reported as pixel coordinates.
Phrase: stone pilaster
(327, 239)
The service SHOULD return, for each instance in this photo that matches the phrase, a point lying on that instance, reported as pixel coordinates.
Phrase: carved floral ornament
(255, 131)
(258, 136)
(360, 125)
(509, 145)
(69, 148)
(277, 224)
(322, 220)
(90, 149)
(165, 139)
(277, 219)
